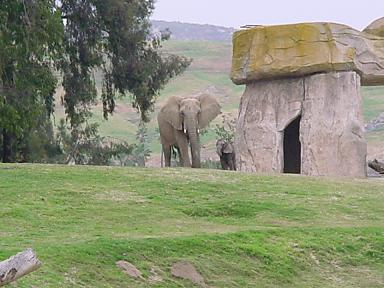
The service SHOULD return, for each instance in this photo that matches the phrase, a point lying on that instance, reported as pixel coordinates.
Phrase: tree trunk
(7, 147)
(17, 266)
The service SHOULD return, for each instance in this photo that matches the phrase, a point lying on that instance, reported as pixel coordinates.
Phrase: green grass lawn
(239, 230)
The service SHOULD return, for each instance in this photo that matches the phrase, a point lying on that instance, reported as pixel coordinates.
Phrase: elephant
(180, 121)
(226, 152)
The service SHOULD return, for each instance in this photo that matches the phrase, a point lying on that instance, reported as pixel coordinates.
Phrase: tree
(141, 151)
(114, 36)
(30, 41)
(38, 143)
(79, 38)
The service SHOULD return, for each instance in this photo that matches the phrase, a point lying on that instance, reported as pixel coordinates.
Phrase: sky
(236, 13)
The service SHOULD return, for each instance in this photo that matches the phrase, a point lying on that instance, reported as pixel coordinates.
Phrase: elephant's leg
(227, 161)
(167, 155)
(234, 161)
(182, 143)
(222, 162)
(231, 162)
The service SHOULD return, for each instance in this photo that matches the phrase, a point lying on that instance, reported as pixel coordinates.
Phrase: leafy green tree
(31, 34)
(114, 36)
(78, 38)
(38, 143)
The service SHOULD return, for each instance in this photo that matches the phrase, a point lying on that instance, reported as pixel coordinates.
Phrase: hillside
(194, 32)
(238, 230)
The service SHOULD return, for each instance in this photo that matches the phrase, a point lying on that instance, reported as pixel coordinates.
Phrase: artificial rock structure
(301, 111)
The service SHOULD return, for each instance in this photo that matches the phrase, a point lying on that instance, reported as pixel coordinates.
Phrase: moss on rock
(269, 52)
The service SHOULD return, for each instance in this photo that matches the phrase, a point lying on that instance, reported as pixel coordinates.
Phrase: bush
(86, 147)
(226, 131)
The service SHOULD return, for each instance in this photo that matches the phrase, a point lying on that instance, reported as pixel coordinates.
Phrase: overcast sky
(235, 13)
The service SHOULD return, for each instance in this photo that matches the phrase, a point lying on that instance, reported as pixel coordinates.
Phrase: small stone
(377, 166)
(373, 173)
(186, 270)
(129, 269)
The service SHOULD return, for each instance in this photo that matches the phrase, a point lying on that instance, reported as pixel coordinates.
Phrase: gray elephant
(226, 152)
(180, 121)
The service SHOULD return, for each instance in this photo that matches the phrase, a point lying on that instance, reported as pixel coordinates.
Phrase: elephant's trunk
(194, 140)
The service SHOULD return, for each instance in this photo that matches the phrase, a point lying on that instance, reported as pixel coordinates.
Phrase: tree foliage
(141, 150)
(226, 130)
(30, 41)
(88, 148)
(115, 36)
(76, 38)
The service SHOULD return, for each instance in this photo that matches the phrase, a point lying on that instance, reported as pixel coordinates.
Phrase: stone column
(331, 131)
(266, 108)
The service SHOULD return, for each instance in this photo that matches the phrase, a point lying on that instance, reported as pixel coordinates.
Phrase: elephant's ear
(219, 147)
(171, 112)
(210, 108)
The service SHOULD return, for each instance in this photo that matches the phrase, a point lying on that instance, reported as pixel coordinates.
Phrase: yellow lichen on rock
(269, 52)
(376, 28)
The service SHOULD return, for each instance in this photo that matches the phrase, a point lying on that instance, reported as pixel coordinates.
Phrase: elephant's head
(190, 115)
(224, 147)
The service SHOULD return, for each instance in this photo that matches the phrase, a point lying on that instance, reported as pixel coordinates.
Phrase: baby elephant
(226, 151)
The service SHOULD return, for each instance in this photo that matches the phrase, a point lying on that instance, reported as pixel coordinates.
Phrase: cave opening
(292, 147)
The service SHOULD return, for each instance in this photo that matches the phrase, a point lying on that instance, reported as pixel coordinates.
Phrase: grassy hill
(239, 230)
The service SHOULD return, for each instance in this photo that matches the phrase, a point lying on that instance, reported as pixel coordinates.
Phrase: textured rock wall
(270, 52)
(376, 28)
(331, 133)
(265, 109)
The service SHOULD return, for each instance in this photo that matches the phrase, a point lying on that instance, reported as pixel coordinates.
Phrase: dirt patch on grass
(120, 196)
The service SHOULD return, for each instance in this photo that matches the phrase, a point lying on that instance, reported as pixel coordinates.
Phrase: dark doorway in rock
(292, 147)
